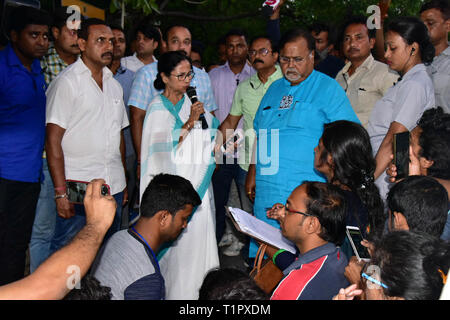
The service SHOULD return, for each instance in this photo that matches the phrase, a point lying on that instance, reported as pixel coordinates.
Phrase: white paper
(261, 230)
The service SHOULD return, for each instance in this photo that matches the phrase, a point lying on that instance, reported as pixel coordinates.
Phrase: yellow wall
(87, 10)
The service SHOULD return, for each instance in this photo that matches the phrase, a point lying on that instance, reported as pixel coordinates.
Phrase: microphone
(192, 94)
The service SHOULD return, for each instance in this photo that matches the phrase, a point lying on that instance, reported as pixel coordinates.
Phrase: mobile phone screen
(76, 190)
(356, 238)
(401, 154)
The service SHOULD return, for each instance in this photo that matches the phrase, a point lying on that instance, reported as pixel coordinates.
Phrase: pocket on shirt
(305, 116)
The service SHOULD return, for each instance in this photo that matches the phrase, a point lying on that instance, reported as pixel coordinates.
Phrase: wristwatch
(59, 196)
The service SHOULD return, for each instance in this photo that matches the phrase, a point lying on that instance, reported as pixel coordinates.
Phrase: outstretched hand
(100, 210)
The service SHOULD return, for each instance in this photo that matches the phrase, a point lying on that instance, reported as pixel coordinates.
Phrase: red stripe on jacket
(292, 286)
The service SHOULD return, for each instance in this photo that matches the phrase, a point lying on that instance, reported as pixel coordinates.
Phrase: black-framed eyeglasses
(183, 76)
(290, 211)
(263, 52)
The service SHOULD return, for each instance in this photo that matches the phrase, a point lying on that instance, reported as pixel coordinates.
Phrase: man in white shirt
(85, 118)
(436, 16)
(147, 40)
(364, 79)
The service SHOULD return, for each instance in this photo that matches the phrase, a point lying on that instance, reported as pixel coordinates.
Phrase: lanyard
(142, 238)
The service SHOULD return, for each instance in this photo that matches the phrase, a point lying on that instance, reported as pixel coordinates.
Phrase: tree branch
(163, 4)
(202, 18)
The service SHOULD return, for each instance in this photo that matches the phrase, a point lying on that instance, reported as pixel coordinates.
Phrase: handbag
(265, 273)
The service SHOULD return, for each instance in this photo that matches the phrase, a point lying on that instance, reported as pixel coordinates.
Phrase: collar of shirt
(121, 69)
(14, 61)
(413, 71)
(81, 68)
(245, 72)
(314, 254)
(446, 52)
(256, 82)
(367, 64)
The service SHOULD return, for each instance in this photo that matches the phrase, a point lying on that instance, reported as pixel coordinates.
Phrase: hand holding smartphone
(401, 154)
(355, 237)
(76, 190)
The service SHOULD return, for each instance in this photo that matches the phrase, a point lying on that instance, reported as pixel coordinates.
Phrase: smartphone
(76, 190)
(355, 237)
(401, 154)
(236, 138)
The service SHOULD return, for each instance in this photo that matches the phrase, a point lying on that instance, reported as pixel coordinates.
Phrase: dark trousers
(18, 202)
(222, 180)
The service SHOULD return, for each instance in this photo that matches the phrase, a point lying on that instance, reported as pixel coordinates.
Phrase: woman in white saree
(173, 142)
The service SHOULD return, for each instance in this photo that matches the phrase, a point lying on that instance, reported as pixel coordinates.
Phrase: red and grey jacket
(316, 275)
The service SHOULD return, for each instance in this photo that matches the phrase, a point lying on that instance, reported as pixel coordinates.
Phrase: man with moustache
(224, 81)
(364, 79)
(85, 118)
(61, 53)
(176, 37)
(22, 134)
(263, 56)
(289, 122)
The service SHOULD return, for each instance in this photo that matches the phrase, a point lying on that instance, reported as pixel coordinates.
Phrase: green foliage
(207, 19)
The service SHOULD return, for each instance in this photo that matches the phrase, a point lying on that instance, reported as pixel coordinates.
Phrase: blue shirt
(293, 117)
(22, 118)
(125, 77)
(143, 90)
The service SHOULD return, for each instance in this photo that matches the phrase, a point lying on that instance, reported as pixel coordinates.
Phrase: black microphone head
(192, 94)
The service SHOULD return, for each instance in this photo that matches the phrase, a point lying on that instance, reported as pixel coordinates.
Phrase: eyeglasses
(183, 76)
(295, 60)
(290, 211)
(263, 52)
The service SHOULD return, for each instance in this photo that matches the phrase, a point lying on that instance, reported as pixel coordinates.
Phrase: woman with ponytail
(344, 156)
(408, 50)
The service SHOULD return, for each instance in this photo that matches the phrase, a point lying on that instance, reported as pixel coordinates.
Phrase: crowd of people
(303, 122)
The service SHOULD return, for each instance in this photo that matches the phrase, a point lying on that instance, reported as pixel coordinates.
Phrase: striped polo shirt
(316, 275)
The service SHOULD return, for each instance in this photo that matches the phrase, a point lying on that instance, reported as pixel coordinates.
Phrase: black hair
(116, 27)
(412, 29)
(411, 264)
(354, 166)
(273, 45)
(149, 31)
(434, 141)
(442, 5)
(327, 202)
(236, 32)
(60, 17)
(83, 32)
(358, 20)
(168, 192)
(176, 25)
(332, 37)
(22, 16)
(294, 34)
(423, 201)
(90, 289)
(166, 63)
(230, 284)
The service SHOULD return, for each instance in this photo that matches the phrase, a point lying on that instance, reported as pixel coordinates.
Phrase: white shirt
(366, 85)
(93, 120)
(133, 63)
(403, 103)
(439, 71)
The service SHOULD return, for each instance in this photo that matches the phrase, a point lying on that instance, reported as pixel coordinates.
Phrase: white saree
(184, 262)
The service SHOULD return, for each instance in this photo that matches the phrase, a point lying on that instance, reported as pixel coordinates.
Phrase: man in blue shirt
(22, 132)
(289, 124)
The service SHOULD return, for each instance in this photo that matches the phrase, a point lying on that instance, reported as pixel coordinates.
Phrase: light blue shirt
(299, 114)
(143, 91)
(125, 77)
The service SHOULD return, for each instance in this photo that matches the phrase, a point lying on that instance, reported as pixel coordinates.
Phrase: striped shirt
(316, 275)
